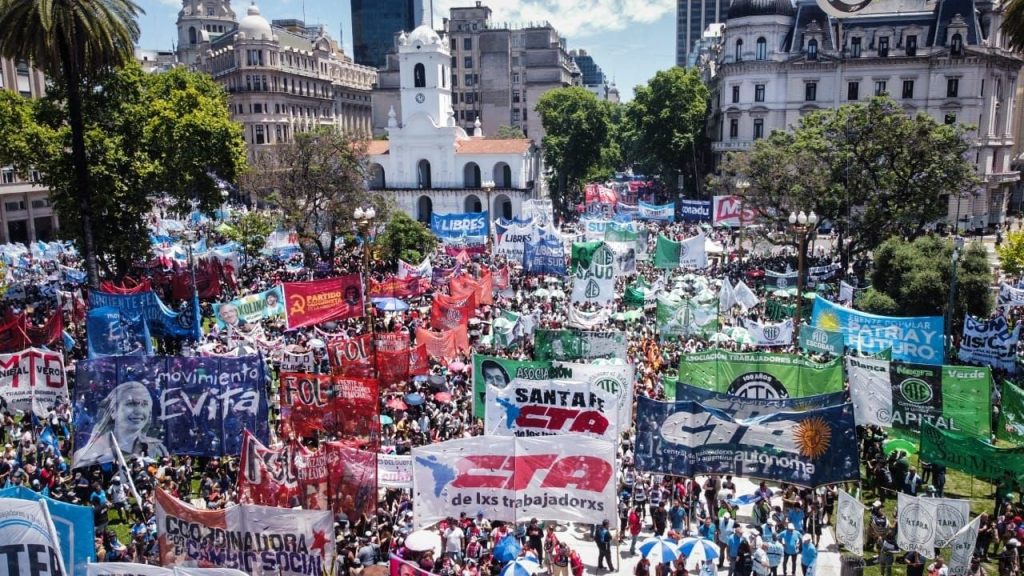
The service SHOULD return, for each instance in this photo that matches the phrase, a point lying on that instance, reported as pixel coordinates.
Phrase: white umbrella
(423, 540)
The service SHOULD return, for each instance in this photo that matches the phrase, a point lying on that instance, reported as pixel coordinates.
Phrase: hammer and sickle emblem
(298, 305)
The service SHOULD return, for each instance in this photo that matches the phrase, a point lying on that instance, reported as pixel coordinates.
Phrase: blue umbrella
(390, 304)
(698, 549)
(659, 550)
(414, 399)
(385, 419)
(507, 549)
(521, 567)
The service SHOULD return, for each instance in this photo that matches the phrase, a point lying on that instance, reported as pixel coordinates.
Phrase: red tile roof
(488, 146)
(377, 147)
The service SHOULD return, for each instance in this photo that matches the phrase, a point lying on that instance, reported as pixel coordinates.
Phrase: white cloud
(573, 18)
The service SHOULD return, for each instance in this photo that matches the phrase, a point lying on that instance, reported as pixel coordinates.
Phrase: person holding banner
(126, 412)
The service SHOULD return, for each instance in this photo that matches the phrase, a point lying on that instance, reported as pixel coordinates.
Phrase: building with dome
(431, 164)
(282, 77)
(947, 58)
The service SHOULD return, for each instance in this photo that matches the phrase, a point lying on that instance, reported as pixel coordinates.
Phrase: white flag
(421, 270)
(962, 548)
(745, 297)
(28, 534)
(768, 335)
(870, 391)
(587, 320)
(692, 253)
(845, 292)
(726, 297)
(916, 519)
(850, 523)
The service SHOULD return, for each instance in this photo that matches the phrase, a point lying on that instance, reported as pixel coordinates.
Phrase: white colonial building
(430, 163)
(946, 58)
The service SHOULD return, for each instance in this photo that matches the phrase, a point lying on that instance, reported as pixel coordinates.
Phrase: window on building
(455, 80)
(455, 44)
(257, 108)
(515, 96)
(419, 76)
(855, 47)
(14, 205)
(952, 87)
(467, 43)
(7, 175)
(883, 46)
(259, 135)
(758, 128)
(758, 92)
(811, 91)
(515, 77)
(515, 62)
(515, 114)
(24, 78)
(908, 88)
(852, 91)
(761, 49)
(880, 87)
(912, 45)
(468, 80)
(467, 62)
(470, 97)
(41, 203)
(209, 10)
(950, 118)
(812, 50)
(734, 128)
(455, 62)
(191, 34)
(956, 45)
(735, 94)
(739, 49)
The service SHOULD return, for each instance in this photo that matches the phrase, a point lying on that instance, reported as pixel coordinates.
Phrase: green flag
(666, 253)
(971, 455)
(821, 341)
(760, 374)
(571, 345)
(1011, 418)
(506, 329)
(636, 292)
(685, 317)
(500, 372)
(583, 254)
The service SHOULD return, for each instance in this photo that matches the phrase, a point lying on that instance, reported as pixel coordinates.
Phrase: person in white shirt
(938, 568)
(118, 498)
(453, 541)
(761, 565)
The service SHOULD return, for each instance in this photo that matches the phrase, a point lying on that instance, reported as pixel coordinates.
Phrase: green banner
(499, 372)
(953, 397)
(636, 293)
(761, 374)
(666, 253)
(1011, 417)
(507, 330)
(821, 341)
(668, 384)
(583, 254)
(970, 455)
(685, 317)
(617, 232)
(571, 345)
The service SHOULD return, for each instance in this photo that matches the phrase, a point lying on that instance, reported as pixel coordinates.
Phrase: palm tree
(71, 41)
(1013, 23)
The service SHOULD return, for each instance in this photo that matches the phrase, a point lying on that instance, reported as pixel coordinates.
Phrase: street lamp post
(958, 244)
(488, 186)
(802, 226)
(364, 219)
(741, 186)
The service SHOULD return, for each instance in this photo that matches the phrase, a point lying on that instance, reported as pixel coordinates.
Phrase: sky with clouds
(629, 39)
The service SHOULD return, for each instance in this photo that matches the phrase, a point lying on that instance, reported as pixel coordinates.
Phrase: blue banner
(810, 448)
(664, 212)
(917, 340)
(695, 210)
(74, 524)
(740, 407)
(162, 321)
(161, 405)
(546, 256)
(110, 332)
(458, 225)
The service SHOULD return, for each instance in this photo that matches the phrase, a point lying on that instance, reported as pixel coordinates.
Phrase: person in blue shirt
(775, 554)
(808, 556)
(707, 530)
(677, 517)
(796, 514)
(769, 531)
(790, 538)
(732, 543)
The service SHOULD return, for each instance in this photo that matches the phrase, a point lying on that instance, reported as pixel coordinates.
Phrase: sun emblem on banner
(828, 321)
(812, 437)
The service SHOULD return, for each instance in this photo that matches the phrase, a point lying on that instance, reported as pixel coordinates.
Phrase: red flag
(445, 344)
(307, 404)
(14, 334)
(392, 359)
(352, 357)
(502, 280)
(49, 332)
(129, 286)
(451, 311)
(339, 478)
(418, 364)
(485, 288)
(266, 476)
(317, 301)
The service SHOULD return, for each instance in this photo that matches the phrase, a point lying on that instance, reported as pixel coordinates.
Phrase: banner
(394, 471)
(500, 372)
(569, 345)
(291, 362)
(742, 407)
(258, 540)
(345, 406)
(850, 523)
(916, 519)
(549, 407)
(465, 285)
(546, 256)
(594, 229)
(537, 210)
(695, 210)
(1011, 415)
(162, 405)
(446, 226)
(962, 548)
(394, 287)
(780, 280)
(599, 193)
(33, 381)
(162, 322)
(662, 212)
(684, 317)
(621, 233)
(393, 359)
(615, 379)
(449, 312)
(990, 343)
(74, 527)
(587, 320)
(1009, 297)
(902, 396)
(264, 305)
(689, 253)
(509, 330)
(421, 270)
(266, 476)
(338, 478)
(761, 374)
(322, 300)
(30, 541)
(110, 332)
(805, 448)
(512, 479)
(447, 344)
(595, 283)
(353, 357)
(917, 339)
(510, 241)
(972, 456)
(770, 335)
(729, 211)
(133, 569)
(820, 341)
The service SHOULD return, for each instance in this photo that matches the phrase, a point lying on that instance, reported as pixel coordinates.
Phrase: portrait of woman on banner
(127, 412)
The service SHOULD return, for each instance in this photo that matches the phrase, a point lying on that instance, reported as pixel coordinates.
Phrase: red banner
(266, 476)
(352, 357)
(208, 273)
(16, 333)
(338, 478)
(318, 301)
(485, 288)
(448, 312)
(502, 280)
(392, 360)
(470, 250)
(358, 410)
(345, 407)
(599, 193)
(418, 363)
(446, 344)
(129, 286)
(394, 287)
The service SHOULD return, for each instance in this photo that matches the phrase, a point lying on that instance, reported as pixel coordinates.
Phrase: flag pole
(124, 469)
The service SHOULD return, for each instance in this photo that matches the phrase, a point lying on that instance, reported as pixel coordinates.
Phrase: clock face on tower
(420, 97)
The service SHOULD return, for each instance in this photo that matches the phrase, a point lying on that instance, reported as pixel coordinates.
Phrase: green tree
(250, 230)
(576, 134)
(72, 41)
(1013, 23)
(1011, 254)
(915, 276)
(667, 117)
(506, 132)
(319, 179)
(406, 239)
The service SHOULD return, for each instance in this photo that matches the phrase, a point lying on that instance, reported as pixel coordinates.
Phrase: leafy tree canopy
(506, 132)
(406, 239)
(1011, 254)
(576, 135)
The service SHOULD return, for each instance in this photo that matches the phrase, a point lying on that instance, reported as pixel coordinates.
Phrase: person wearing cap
(808, 556)
(725, 528)
(769, 530)
(761, 567)
(790, 538)
(732, 543)
(1009, 560)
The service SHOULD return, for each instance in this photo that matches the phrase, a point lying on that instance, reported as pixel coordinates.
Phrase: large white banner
(258, 540)
(950, 516)
(870, 391)
(850, 523)
(394, 471)
(595, 284)
(527, 408)
(32, 380)
(510, 241)
(1009, 297)
(29, 539)
(614, 378)
(962, 548)
(770, 335)
(990, 343)
(728, 211)
(513, 479)
(421, 270)
(916, 519)
(692, 253)
(133, 569)
(587, 320)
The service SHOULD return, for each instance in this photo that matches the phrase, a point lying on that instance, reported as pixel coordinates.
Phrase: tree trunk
(563, 181)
